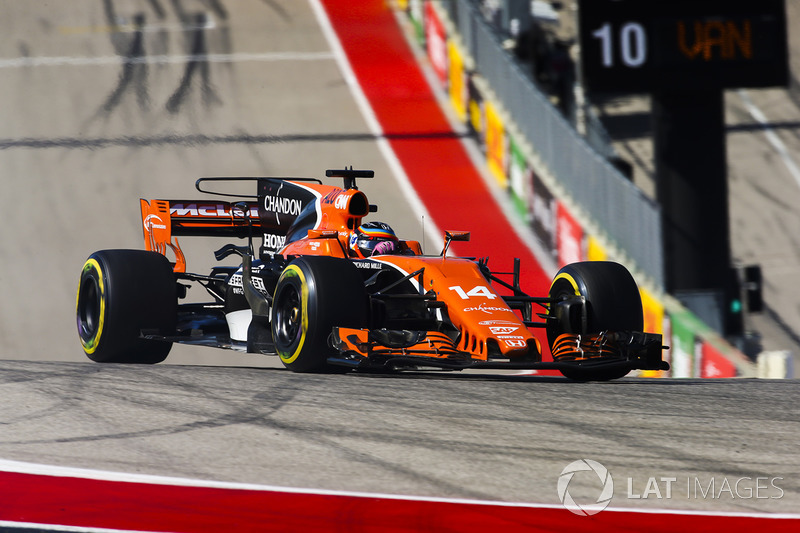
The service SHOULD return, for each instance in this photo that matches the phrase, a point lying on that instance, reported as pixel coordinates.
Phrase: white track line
(82, 473)
(772, 137)
(20, 467)
(56, 527)
(62, 61)
(432, 232)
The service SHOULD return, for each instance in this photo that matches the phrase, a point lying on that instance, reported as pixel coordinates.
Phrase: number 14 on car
(480, 291)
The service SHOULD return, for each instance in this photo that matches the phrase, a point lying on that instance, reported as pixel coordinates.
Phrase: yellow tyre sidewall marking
(91, 264)
(571, 281)
(295, 271)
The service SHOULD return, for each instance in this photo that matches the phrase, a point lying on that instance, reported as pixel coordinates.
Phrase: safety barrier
(626, 216)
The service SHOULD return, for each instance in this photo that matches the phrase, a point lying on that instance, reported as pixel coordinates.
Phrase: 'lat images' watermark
(661, 488)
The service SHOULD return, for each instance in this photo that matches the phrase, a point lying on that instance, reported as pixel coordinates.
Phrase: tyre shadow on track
(456, 376)
(516, 378)
(467, 376)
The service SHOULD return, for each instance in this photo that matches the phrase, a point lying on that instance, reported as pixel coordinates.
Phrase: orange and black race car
(327, 291)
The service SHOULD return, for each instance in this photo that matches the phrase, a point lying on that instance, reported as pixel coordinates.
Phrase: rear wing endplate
(163, 220)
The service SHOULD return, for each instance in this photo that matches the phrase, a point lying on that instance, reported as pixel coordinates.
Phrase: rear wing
(270, 213)
(199, 218)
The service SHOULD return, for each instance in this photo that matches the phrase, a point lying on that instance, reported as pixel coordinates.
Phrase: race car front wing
(396, 349)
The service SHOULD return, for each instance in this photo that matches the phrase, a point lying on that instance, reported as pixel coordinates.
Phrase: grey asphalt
(82, 141)
(475, 436)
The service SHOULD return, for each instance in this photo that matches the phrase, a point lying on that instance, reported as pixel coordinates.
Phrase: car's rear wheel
(122, 293)
(613, 303)
(313, 295)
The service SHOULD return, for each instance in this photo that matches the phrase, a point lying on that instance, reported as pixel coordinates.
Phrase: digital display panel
(646, 45)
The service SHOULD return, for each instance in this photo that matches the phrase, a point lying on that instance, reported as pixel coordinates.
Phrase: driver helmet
(374, 238)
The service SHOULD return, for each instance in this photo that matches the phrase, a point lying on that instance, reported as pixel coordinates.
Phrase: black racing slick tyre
(121, 294)
(613, 303)
(313, 295)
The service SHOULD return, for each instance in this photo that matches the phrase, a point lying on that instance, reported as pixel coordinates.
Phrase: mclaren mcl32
(326, 291)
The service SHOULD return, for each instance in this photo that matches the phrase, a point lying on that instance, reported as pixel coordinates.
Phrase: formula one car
(327, 292)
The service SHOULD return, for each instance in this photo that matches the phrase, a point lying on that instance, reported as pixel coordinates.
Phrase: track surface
(445, 435)
(81, 142)
(84, 135)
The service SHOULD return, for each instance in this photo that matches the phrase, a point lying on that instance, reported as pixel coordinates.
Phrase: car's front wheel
(612, 303)
(313, 295)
